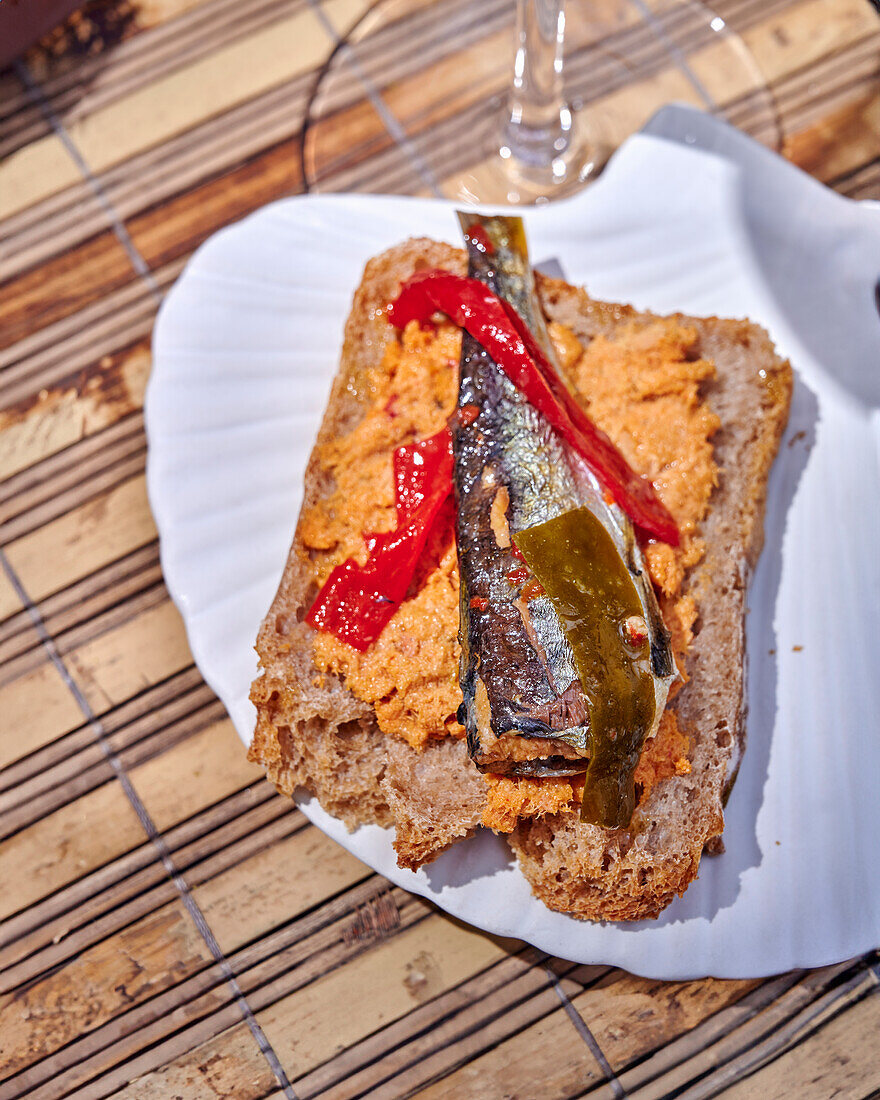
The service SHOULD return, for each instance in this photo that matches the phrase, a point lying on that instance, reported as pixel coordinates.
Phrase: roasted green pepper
(592, 592)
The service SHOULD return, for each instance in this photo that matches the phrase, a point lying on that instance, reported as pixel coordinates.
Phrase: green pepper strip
(575, 559)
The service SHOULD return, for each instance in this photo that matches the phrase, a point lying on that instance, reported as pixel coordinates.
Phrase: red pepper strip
(502, 332)
(417, 468)
(357, 601)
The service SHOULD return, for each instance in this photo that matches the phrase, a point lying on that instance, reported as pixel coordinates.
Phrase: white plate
(246, 346)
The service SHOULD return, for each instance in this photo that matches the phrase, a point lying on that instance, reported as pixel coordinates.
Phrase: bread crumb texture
(641, 386)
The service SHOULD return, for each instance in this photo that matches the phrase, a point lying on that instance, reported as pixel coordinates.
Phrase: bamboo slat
(185, 116)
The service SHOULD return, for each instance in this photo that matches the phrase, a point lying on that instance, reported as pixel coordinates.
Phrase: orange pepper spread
(642, 388)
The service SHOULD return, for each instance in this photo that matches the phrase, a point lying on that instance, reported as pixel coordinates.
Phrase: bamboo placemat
(169, 926)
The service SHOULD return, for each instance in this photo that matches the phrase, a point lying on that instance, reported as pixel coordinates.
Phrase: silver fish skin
(512, 470)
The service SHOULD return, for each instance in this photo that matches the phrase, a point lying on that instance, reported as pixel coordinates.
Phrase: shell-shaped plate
(246, 346)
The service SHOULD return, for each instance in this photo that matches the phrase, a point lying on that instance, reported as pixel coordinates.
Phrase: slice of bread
(312, 732)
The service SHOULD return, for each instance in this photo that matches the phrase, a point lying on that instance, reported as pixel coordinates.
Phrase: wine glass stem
(537, 128)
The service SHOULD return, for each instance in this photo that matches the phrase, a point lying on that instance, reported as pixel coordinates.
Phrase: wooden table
(170, 926)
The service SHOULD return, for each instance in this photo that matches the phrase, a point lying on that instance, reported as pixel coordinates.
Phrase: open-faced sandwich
(516, 592)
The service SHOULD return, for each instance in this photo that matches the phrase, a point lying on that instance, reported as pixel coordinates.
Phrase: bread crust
(312, 732)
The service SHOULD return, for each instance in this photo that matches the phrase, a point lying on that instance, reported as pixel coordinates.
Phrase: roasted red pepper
(357, 601)
(502, 332)
(422, 470)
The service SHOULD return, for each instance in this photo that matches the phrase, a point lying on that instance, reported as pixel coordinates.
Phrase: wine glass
(494, 102)
(544, 149)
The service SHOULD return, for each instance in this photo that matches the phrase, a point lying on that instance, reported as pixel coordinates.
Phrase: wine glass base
(506, 180)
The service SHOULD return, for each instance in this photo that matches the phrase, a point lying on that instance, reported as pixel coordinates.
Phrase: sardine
(566, 664)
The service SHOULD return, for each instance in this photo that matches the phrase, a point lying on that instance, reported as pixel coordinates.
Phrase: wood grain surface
(169, 926)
